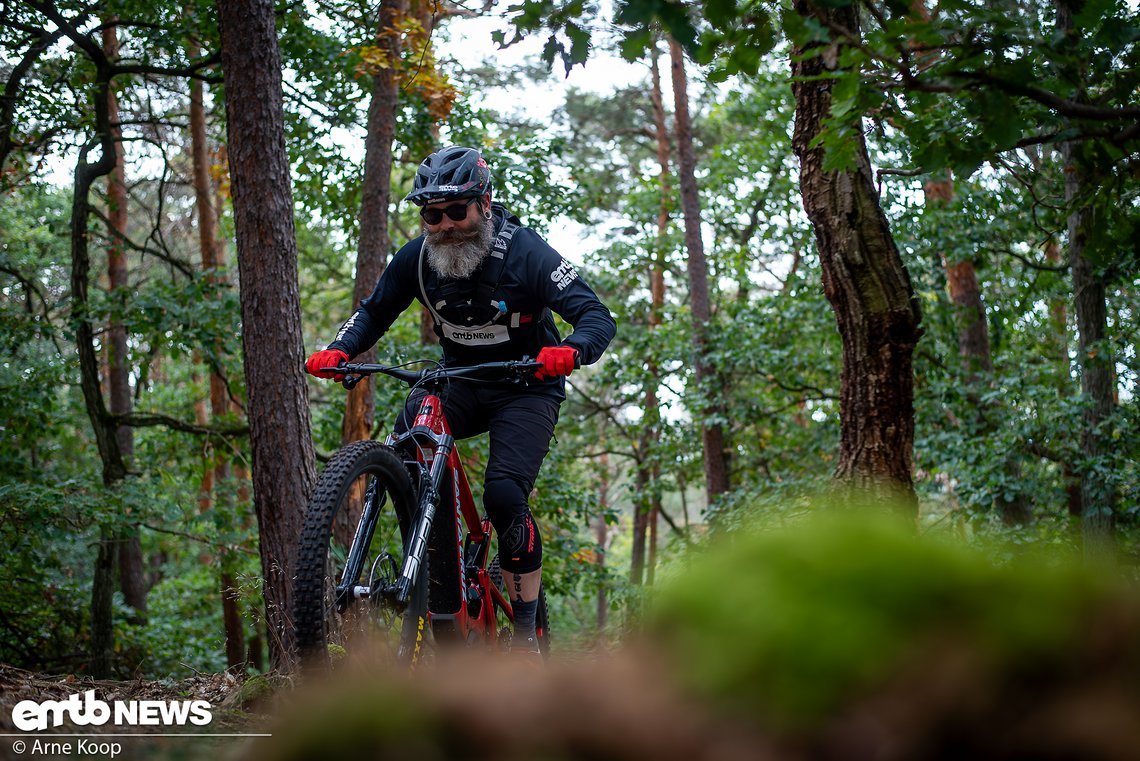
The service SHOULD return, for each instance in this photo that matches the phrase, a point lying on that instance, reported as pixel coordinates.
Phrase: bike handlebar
(513, 371)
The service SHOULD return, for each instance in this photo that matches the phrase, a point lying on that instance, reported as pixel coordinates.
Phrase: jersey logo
(487, 335)
(564, 275)
(344, 328)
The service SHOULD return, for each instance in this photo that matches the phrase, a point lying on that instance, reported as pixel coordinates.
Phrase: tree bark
(1058, 343)
(712, 434)
(376, 191)
(602, 606)
(217, 470)
(1098, 495)
(106, 433)
(1094, 352)
(656, 309)
(867, 285)
(132, 573)
(280, 430)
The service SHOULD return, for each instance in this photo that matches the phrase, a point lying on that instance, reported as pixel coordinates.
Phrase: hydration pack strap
(493, 267)
(488, 282)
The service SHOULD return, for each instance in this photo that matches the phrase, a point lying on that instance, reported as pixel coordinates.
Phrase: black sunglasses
(457, 212)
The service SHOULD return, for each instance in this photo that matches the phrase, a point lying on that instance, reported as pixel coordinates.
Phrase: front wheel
(352, 547)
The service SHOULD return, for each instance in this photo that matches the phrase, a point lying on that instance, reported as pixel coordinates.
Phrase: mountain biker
(490, 285)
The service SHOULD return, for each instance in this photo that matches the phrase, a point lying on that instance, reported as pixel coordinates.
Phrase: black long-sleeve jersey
(534, 281)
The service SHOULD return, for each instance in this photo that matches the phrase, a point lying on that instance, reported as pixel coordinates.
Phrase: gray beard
(457, 255)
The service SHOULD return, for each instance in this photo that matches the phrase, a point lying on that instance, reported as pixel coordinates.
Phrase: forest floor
(233, 713)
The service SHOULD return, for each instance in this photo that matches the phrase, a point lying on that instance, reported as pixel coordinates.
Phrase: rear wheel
(339, 612)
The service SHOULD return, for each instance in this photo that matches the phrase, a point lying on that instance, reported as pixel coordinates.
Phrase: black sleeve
(394, 292)
(568, 295)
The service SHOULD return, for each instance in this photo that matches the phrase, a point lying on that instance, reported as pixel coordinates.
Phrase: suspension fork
(361, 539)
(425, 514)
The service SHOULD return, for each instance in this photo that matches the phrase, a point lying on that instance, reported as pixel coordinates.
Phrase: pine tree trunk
(132, 574)
(232, 621)
(375, 241)
(656, 309)
(867, 286)
(118, 369)
(640, 524)
(966, 295)
(975, 354)
(600, 530)
(280, 430)
(712, 434)
(1059, 351)
(217, 471)
(102, 610)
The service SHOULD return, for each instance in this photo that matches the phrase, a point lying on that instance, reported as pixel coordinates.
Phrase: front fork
(425, 514)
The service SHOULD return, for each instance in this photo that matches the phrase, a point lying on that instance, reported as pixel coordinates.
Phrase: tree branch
(148, 419)
(12, 90)
(200, 539)
(121, 237)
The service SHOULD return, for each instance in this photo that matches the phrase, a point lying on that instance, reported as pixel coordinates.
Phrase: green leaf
(635, 43)
(720, 13)
(552, 48)
(845, 94)
(710, 44)
(579, 43)
(803, 30)
(1092, 12)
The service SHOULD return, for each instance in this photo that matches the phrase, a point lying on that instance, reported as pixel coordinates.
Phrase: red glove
(321, 362)
(556, 361)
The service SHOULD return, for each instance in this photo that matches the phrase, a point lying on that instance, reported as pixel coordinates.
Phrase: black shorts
(520, 420)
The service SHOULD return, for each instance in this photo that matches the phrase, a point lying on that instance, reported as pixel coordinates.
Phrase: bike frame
(442, 473)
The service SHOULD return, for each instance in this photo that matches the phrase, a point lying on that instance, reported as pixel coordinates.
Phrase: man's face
(456, 247)
(448, 229)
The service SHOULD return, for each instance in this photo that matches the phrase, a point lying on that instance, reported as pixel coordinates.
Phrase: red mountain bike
(394, 555)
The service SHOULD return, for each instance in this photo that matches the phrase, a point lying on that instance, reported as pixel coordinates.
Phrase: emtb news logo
(88, 710)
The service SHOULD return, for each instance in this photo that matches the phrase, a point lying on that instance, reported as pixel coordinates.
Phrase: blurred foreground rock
(842, 638)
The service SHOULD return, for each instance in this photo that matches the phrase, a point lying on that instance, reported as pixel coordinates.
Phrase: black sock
(524, 619)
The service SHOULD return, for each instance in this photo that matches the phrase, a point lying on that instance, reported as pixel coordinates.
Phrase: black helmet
(450, 173)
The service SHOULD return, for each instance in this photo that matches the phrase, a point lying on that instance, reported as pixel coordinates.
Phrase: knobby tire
(325, 634)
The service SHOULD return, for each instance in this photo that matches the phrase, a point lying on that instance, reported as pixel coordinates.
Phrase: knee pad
(520, 544)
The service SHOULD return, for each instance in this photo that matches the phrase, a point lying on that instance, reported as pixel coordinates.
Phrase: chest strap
(489, 280)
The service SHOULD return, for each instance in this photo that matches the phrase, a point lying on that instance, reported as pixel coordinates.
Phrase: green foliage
(794, 623)
(184, 628)
(983, 91)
